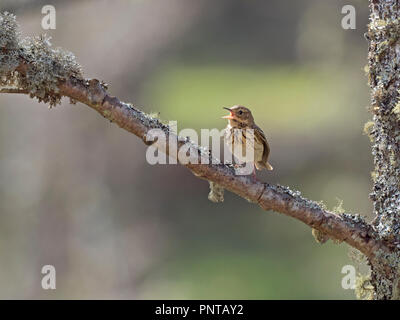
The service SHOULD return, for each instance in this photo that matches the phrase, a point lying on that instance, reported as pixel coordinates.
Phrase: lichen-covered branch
(33, 67)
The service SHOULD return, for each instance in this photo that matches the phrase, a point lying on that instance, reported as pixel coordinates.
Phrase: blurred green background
(76, 192)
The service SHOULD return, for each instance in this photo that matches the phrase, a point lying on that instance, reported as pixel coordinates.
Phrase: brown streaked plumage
(240, 119)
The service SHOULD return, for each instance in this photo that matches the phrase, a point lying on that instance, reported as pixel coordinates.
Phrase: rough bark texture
(384, 79)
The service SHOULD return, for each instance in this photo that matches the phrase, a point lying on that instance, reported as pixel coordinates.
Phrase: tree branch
(13, 90)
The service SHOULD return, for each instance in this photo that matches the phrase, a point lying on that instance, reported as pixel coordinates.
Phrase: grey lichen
(33, 64)
(364, 289)
(338, 209)
(216, 192)
(9, 48)
(47, 66)
(319, 236)
(368, 127)
(384, 79)
(386, 284)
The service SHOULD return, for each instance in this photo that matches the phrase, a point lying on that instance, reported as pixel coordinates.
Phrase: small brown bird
(240, 119)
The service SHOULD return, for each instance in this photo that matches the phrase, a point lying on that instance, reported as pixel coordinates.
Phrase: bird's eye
(240, 112)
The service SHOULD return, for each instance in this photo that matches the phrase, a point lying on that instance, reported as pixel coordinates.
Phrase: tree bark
(384, 80)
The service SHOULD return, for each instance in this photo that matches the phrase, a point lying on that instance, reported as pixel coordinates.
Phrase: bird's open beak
(229, 116)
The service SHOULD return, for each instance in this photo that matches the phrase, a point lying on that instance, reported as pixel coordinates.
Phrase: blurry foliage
(244, 275)
(285, 99)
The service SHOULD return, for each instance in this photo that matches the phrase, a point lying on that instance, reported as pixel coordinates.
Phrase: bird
(240, 119)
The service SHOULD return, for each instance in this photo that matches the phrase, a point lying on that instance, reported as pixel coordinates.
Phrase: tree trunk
(384, 80)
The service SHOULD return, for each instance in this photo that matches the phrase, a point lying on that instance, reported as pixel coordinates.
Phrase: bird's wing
(260, 136)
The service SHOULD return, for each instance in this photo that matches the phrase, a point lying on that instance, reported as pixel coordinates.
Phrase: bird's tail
(260, 165)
